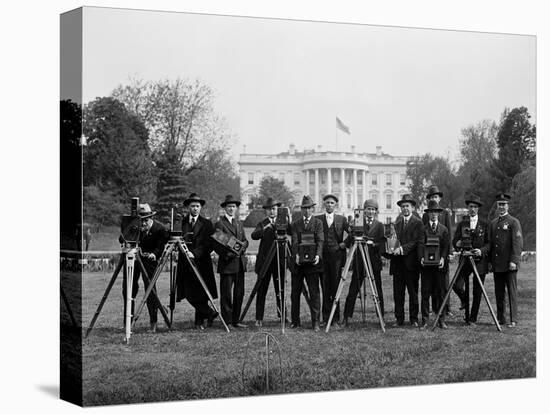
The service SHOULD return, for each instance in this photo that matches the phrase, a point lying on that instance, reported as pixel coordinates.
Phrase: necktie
(433, 226)
(405, 222)
(193, 222)
(329, 220)
(306, 222)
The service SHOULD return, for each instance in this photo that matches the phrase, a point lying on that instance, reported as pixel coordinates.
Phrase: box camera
(282, 221)
(392, 242)
(307, 248)
(466, 234)
(357, 223)
(431, 251)
(130, 225)
(228, 241)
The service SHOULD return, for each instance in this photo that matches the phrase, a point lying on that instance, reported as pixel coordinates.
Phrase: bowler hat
(270, 203)
(330, 196)
(144, 211)
(433, 206)
(370, 203)
(503, 197)
(434, 190)
(406, 198)
(193, 197)
(229, 199)
(473, 199)
(307, 202)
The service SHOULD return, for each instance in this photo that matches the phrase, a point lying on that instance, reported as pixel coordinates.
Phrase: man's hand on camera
(150, 256)
(231, 255)
(342, 246)
(441, 263)
(191, 255)
(316, 260)
(459, 243)
(370, 242)
(398, 251)
(422, 261)
(476, 252)
(513, 266)
(297, 260)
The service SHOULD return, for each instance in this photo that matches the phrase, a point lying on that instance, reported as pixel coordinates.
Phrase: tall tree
(516, 141)
(183, 127)
(524, 204)
(419, 173)
(273, 187)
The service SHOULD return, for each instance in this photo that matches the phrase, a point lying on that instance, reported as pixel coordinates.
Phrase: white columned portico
(307, 182)
(329, 181)
(316, 198)
(354, 198)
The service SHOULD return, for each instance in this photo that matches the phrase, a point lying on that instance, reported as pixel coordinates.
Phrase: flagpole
(336, 128)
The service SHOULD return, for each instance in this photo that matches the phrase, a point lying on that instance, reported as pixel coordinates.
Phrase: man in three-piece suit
(310, 226)
(505, 245)
(480, 250)
(404, 264)
(231, 266)
(433, 275)
(334, 254)
(265, 231)
(444, 218)
(374, 233)
(153, 237)
(196, 232)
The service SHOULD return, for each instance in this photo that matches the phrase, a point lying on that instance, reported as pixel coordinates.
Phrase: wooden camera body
(431, 251)
(229, 241)
(307, 248)
(392, 242)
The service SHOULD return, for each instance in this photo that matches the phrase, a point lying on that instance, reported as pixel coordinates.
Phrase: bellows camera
(431, 251)
(281, 222)
(392, 242)
(130, 224)
(357, 223)
(466, 234)
(228, 241)
(307, 248)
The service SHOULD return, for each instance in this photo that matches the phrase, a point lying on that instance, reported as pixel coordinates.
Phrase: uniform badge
(505, 226)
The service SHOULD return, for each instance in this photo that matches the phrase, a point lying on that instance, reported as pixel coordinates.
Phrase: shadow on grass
(49, 389)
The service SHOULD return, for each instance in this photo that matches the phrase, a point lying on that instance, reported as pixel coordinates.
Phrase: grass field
(186, 364)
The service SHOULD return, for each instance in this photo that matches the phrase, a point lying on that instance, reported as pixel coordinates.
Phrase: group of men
(496, 245)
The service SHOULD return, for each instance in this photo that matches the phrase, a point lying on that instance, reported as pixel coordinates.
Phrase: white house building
(353, 177)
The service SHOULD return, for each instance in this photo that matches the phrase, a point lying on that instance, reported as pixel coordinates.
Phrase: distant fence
(106, 261)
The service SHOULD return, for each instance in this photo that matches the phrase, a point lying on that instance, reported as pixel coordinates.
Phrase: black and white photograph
(299, 207)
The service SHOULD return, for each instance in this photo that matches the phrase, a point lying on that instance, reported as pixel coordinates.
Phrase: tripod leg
(151, 284)
(69, 310)
(106, 294)
(173, 286)
(130, 263)
(368, 268)
(341, 285)
(278, 293)
(201, 281)
(476, 273)
(449, 291)
(261, 276)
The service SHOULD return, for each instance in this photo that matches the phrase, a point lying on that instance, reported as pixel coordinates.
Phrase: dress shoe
(345, 322)
(472, 323)
(443, 325)
(397, 324)
(294, 325)
(511, 325)
(153, 327)
(316, 327)
(258, 323)
(240, 326)
(450, 314)
(199, 328)
(211, 318)
(414, 324)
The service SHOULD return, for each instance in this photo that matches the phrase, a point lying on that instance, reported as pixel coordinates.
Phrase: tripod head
(130, 226)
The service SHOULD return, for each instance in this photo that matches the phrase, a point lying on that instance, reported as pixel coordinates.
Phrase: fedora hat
(229, 199)
(406, 198)
(473, 199)
(144, 211)
(370, 203)
(433, 206)
(270, 203)
(307, 201)
(193, 197)
(503, 197)
(434, 190)
(331, 196)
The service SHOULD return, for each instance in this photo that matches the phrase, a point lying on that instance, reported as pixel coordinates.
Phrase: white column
(316, 198)
(343, 204)
(365, 194)
(329, 181)
(354, 197)
(307, 182)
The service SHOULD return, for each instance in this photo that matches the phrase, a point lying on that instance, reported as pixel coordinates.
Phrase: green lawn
(186, 364)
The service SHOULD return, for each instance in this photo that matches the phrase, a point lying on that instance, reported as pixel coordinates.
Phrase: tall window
(388, 201)
(323, 176)
(348, 178)
(402, 179)
(374, 179)
(336, 177)
(296, 178)
(250, 178)
(282, 176)
(388, 180)
(360, 178)
(349, 200)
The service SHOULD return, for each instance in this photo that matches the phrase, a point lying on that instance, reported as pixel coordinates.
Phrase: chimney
(292, 149)
(353, 149)
(378, 151)
(319, 148)
(244, 149)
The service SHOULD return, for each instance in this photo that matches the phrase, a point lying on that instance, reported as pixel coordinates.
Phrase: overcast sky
(279, 81)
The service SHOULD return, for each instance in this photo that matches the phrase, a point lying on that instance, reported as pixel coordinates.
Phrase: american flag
(341, 126)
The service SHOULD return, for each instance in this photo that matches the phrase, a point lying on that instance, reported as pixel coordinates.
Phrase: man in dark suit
(196, 232)
(306, 225)
(444, 218)
(231, 266)
(404, 264)
(433, 275)
(153, 237)
(334, 254)
(265, 231)
(505, 245)
(480, 250)
(374, 233)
